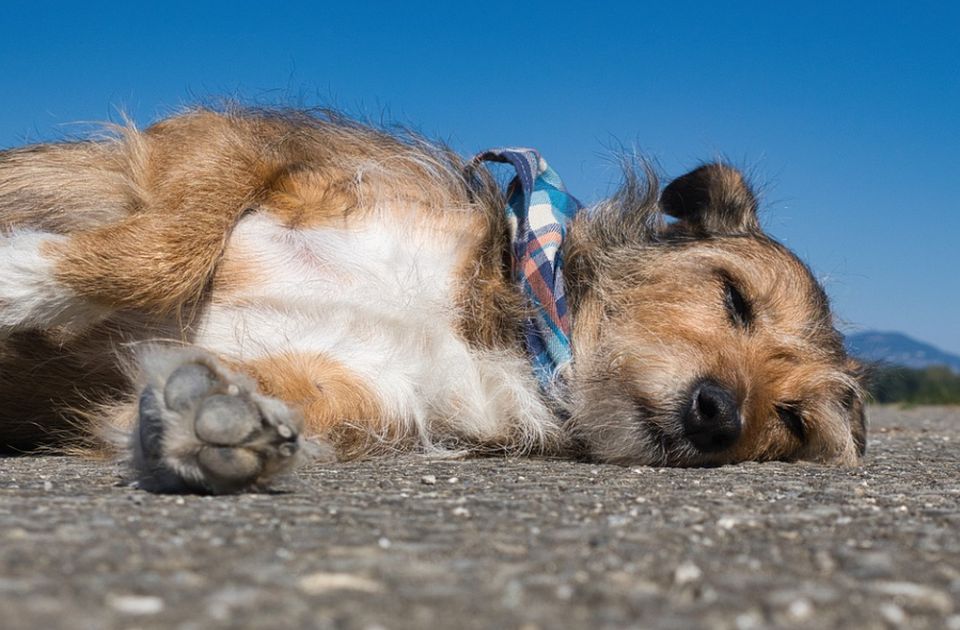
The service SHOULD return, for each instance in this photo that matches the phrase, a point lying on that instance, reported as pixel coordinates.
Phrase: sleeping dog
(227, 293)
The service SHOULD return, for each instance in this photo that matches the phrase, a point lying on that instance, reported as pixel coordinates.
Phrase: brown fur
(652, 319)
(333, 401)
(149, 215)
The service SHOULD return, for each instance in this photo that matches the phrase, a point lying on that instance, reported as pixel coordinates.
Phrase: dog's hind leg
(30, 295)
(48, 192)
(90, 228)
(152, 263)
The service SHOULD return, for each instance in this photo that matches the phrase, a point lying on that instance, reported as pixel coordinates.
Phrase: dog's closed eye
(792, 418)
(738, 308)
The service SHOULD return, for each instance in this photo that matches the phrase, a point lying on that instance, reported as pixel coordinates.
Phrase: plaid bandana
(539, 209)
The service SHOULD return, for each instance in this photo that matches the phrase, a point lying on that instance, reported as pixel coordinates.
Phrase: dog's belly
(376, 296)
(379, 297)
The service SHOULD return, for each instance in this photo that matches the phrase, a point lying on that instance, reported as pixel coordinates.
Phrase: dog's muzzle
(711, 420)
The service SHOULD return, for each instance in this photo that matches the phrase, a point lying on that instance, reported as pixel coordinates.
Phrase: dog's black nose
(712, 420)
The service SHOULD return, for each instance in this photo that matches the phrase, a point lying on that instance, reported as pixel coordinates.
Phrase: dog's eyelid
(791, 415)
(739, 309)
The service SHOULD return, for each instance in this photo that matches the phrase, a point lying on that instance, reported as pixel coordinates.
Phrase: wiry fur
(361, 280)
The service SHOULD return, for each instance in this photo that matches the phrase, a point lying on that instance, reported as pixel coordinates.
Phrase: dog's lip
(644, 415)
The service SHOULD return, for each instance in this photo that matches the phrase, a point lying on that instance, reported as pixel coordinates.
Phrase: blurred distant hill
(891, 348)
(907, 370)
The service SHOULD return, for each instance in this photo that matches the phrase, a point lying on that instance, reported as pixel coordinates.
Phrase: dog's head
(703, 341)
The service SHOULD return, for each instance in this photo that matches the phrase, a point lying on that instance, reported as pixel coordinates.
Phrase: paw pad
(208, 431)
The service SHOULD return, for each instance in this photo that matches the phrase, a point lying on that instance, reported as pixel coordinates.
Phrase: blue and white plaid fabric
(539, 209)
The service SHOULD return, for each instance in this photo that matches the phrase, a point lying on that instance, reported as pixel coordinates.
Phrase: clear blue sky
(847, 113)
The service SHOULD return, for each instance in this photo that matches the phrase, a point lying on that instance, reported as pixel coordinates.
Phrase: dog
(229, 293)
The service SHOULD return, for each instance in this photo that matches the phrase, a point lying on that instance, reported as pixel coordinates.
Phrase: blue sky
(848, 114)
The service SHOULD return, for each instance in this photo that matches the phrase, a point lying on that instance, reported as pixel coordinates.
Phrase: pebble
(800, 610)
(749, 620)
(893, 614)
(17, 533)
(727, 523)
(917, 595)
(687, 573)
(317, 583)
(428, 480)
(461, 511)
(135, 604)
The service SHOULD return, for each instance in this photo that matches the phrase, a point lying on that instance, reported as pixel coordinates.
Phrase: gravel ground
(499, 543)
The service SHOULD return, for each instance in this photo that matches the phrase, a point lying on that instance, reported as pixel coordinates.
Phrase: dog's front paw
(204, 428)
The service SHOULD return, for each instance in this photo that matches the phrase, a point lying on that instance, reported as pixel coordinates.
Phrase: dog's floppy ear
(854, 404)
(712, 199)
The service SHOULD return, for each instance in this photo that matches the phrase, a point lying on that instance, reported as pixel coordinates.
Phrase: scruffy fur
(233, 291)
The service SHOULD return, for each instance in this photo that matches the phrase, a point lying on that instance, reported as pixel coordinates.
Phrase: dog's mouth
(661, 433)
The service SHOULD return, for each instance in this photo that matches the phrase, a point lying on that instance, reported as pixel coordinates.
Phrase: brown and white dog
(235, 290)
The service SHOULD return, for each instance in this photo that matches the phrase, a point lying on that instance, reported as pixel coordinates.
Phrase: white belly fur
(378, 298)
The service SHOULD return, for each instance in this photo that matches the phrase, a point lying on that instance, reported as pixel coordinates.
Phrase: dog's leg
(203, 427)
(153, 263)
(92, 227)
(30, 294)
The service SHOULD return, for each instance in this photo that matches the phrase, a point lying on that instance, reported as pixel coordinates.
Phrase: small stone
(800, 609)
(893, 614)
(727, 523)
(17, 533)
(384, 542)
(917, 595)
(687, 573)
(317, 583)
(564, 592)
(428, 480)
(461, 511)
(749, 620)
(47, 486)
(453, 480)
(135, 604)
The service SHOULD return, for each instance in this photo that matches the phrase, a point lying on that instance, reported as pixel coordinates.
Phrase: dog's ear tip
(714, 197)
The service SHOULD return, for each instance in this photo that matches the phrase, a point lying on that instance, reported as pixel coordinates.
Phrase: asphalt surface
(494, 543)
